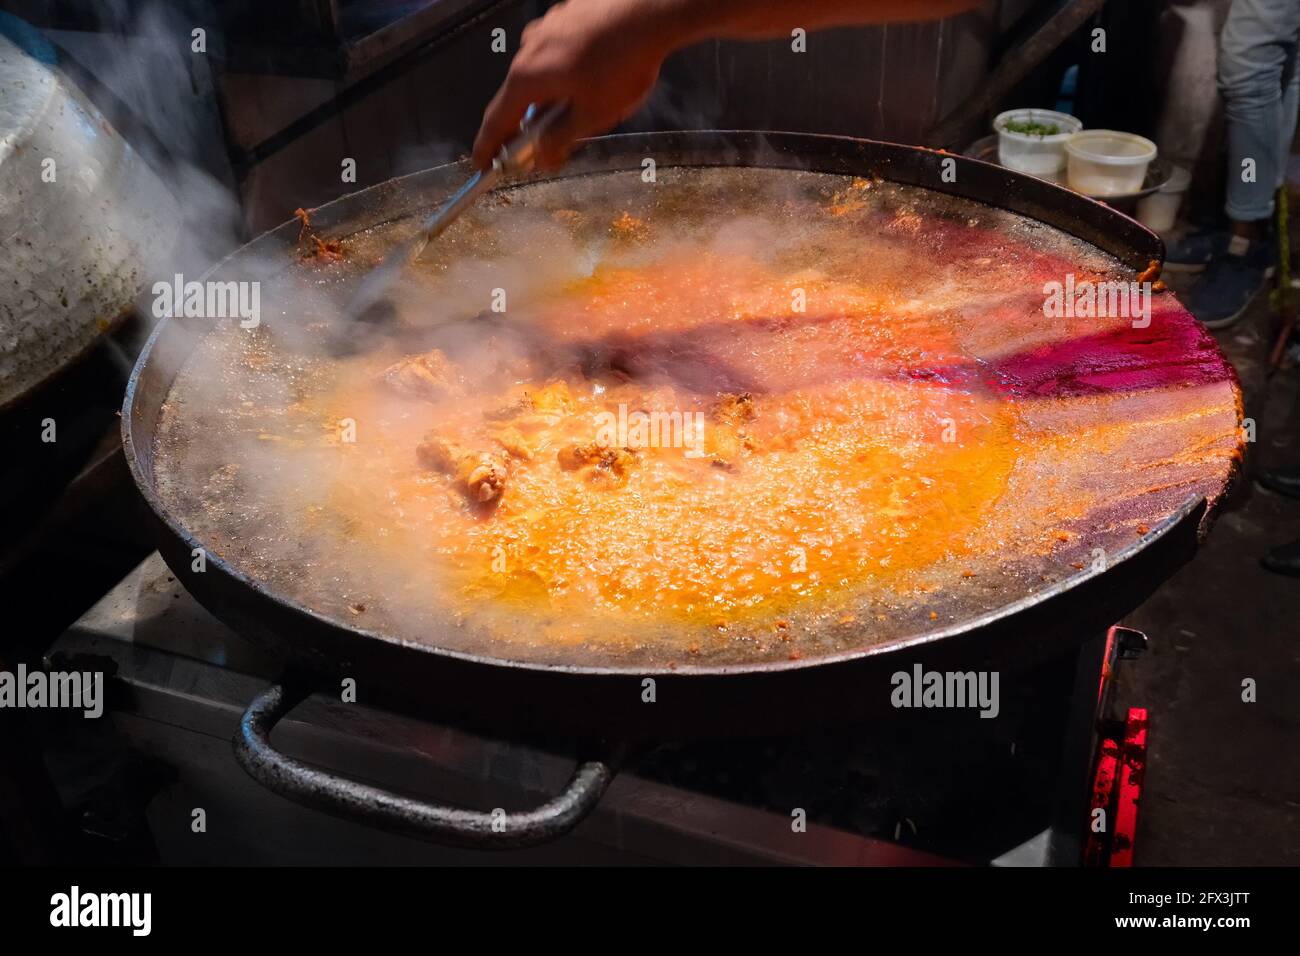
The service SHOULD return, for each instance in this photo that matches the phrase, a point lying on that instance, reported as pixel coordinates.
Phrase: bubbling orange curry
(738, 411)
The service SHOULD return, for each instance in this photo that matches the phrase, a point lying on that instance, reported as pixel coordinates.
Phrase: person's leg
(1256, 53)
(1256, 71)
(1190, 32)
(1285, 559)
(1261, 90)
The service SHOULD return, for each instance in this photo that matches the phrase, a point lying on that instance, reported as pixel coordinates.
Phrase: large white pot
(74, 252)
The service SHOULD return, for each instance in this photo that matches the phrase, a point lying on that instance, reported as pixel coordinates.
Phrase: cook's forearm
(602, 57)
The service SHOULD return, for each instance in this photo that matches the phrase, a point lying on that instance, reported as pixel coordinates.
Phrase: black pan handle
(361, 802)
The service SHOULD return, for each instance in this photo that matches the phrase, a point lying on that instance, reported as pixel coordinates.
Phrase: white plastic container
(1106, 162)
(1042, 156)
(1159, 211)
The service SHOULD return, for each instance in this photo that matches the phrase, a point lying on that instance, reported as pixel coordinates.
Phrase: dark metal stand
(912, 790)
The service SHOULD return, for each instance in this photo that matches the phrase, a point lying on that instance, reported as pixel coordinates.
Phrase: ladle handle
(518, 157)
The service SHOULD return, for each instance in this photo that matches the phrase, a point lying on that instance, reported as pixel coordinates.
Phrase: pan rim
(968, 626)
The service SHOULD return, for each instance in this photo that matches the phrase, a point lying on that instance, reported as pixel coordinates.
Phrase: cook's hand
(602, 57)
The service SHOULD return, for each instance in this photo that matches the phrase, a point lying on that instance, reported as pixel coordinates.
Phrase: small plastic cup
(1106, 162)
(1159, 211)
(1042, 156)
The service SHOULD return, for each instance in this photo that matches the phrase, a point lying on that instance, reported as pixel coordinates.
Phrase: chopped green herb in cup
(1030, 128)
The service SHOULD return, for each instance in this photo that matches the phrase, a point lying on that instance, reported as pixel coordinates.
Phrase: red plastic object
(1133, 764)
(1103, 786)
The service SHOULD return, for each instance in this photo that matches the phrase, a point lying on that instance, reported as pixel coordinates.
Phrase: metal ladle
(518, 157)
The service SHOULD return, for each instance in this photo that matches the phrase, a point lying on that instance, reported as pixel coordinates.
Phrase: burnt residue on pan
(888, 431)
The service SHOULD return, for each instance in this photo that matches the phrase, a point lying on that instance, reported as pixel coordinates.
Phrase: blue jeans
(1261, 94)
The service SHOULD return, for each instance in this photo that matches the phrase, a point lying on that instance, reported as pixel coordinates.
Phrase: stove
(156, 779)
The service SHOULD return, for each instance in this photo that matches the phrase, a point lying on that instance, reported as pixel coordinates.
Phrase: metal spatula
(516, 158)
